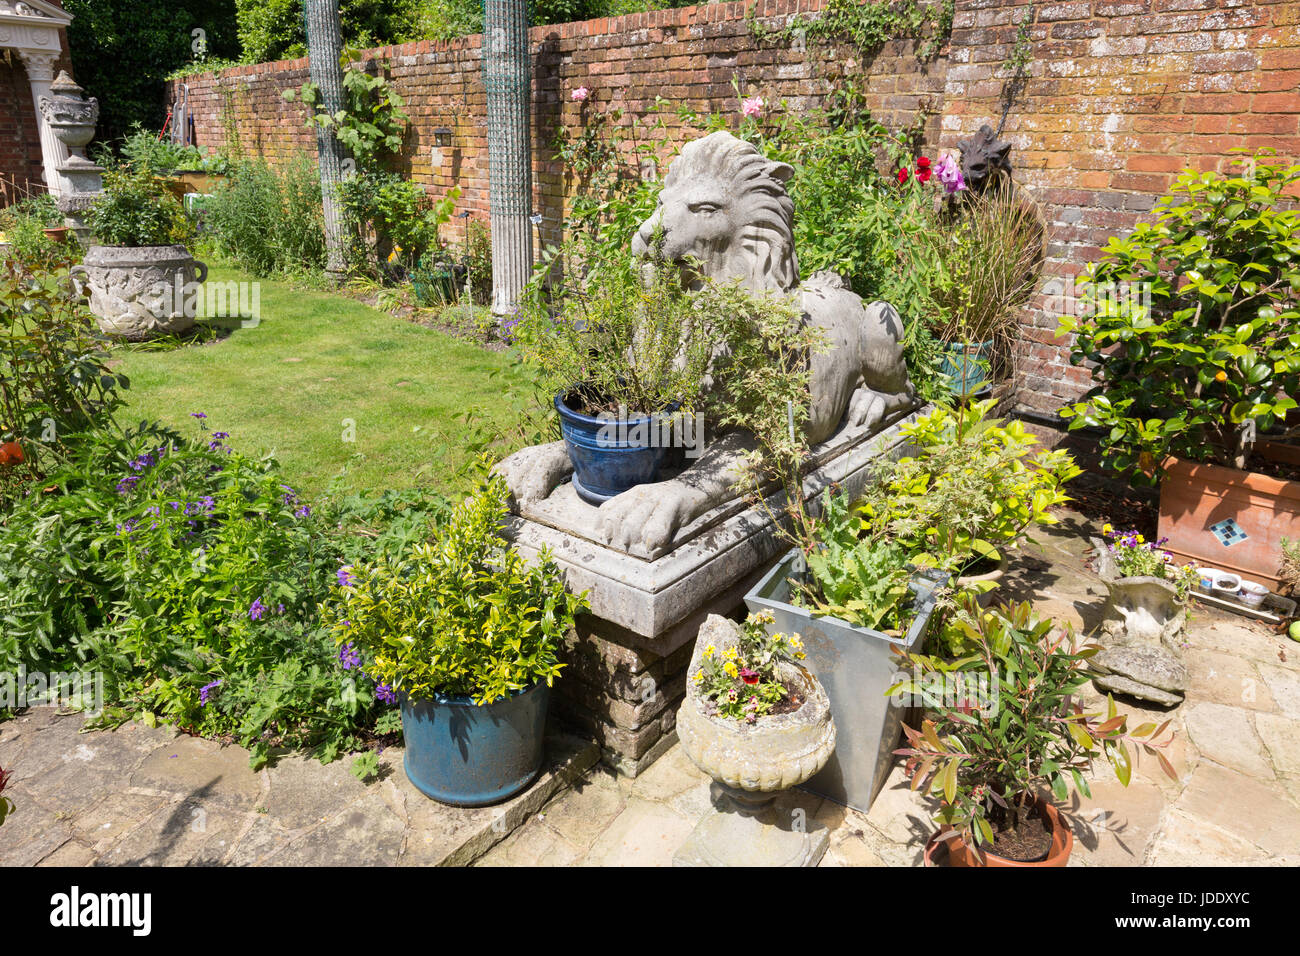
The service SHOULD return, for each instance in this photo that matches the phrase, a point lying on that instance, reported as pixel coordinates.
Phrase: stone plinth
(628, 657)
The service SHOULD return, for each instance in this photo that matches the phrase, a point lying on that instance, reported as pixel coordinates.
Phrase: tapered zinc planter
(1229, 519)
(856, 666)
(467, 755)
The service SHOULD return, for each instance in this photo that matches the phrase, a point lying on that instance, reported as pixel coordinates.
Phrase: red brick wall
(20, 144)
(1120, 96)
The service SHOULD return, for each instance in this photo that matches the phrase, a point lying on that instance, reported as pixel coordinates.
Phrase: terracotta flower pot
(1196, 497)
(959, 854)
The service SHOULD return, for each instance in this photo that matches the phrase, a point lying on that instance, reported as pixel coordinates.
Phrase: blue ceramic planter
(610, 456)
(467, 755)
(967, 366)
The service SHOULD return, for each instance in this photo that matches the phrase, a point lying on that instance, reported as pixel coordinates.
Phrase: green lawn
(315, 362)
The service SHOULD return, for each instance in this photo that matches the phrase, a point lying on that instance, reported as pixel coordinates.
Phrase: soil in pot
(979, 567)
(794, 699)
(1027, 842)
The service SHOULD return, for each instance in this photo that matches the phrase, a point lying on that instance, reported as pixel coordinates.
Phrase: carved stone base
(734, 834)
(628, 657)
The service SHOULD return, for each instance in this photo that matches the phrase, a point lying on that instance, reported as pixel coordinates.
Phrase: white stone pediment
(34, 10)
(32, 26)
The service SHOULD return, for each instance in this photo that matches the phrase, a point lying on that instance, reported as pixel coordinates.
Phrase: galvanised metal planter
(612, 455)
(856, 666)
(467, 755)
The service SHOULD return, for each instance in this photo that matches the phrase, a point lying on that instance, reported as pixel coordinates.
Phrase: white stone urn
(141, 292)
(751, 764)
(1140, 626)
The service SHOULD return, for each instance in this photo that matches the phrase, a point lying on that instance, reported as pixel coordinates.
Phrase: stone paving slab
(140, 796)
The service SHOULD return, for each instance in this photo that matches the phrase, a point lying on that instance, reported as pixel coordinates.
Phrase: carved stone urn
(751, 765)
(71, 116)
(142, 292)
(1141, 623)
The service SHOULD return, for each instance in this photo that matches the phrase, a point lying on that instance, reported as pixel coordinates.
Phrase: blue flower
(197, 415)
(257, 610)
(385, 693)
(349, 656)
(302, 512)
(345, 577)
(205, 690)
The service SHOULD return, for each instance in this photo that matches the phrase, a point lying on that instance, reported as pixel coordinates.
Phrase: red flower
(902, 175)
(11, 453)
(923, 170)
(748, 676)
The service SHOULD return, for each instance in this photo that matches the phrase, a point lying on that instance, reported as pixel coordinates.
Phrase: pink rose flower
(752, 106)
(580, 94)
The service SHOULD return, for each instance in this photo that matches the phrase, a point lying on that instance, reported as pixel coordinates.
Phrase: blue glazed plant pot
(611, 455)
(967, 366)
(467, 755)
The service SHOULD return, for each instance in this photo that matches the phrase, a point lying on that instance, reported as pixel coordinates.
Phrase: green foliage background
(122, 51)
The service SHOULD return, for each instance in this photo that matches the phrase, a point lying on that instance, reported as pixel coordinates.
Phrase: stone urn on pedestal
(72, 116)
(1141, 623)
(752, 764)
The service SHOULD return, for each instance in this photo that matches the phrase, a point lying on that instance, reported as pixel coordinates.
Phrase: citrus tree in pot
(1191, 329)
(1014, 740)
(464, 633)
(142, 280)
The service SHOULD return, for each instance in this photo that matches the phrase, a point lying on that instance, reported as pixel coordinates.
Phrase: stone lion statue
(724, 212)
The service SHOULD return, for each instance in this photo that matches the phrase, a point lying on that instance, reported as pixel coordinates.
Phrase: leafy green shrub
(987, 758)
(392, 221)
(974, 488)
(193, 578)
(856, 578)
(138, 210)
(274, 29)
(143, 151)
(463, 615)
(54, 379)
(637, 346)
(23, 227)
(1191, 325)
(267, 221)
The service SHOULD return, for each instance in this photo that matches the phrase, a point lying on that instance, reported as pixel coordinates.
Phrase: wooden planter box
(1194, 497)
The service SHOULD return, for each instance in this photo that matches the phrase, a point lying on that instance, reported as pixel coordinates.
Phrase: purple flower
(302, 512)
(385, 693)
(345, 577)
(949, 174)
(205, 690)
(197, 415)
(349, 656)
(257, 610)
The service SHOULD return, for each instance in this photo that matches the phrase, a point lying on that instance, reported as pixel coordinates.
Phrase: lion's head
(724, 205)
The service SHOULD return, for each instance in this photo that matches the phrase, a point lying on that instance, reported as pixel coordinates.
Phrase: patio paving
(142, 795)
(1237, 755)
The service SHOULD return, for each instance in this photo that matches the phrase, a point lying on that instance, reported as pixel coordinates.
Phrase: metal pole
(507, 77)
